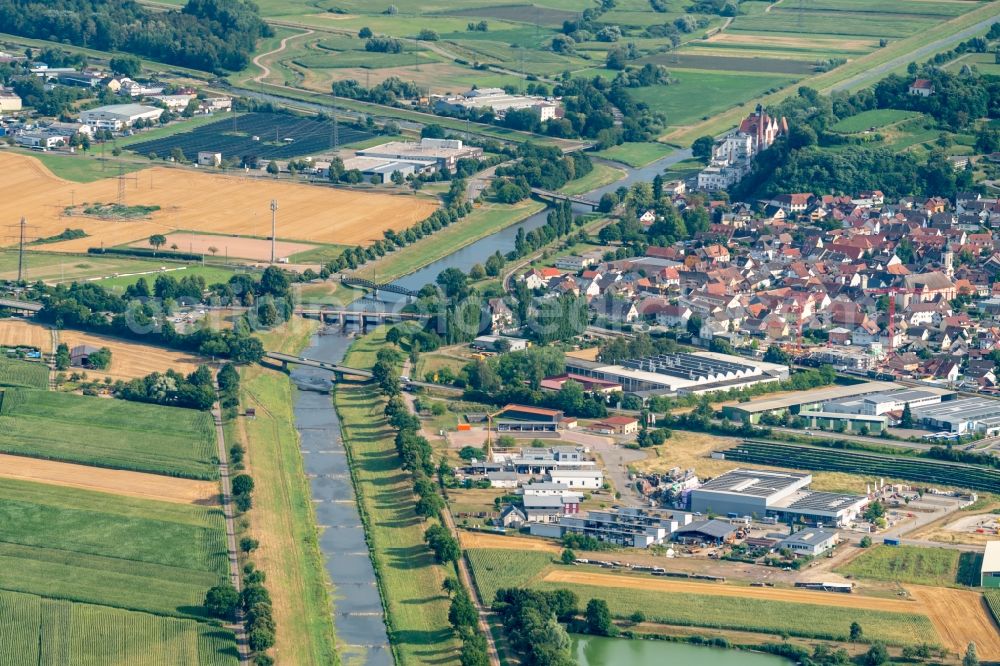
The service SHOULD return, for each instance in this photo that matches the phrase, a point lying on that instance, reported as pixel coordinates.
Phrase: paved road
(927, 49)
(227, 509)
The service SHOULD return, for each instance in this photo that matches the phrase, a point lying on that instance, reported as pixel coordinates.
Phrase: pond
(601, 651)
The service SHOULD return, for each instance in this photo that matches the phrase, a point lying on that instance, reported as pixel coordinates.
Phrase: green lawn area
(496, 568)
(603, 174)
(481, 222)
(114, 550)
(43, 631)
(636, 154)
(873, 119)
(698, 94)
(85, 168)
(51, 266)
(410, 581)
(212, 275)
(283, 518)
(108, 433)
(905, 564)
(683, 169)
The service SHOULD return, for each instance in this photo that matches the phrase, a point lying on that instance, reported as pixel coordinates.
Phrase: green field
(714, 91)
(212, 275)
(636, 154)
(409, 579)
(125, 552)
(26, 374)
(481, 222)
(494, 569)
(86, 168)
(53, 267)
(905, 564)
(108, 433)
(38, 631)
(603, 174)
(993, 601)
(874, 119)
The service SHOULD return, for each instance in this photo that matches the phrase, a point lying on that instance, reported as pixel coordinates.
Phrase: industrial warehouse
(782, 495)
(671, 374)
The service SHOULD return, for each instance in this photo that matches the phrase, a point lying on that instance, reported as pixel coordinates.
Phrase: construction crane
(489, 432)
(892, 292)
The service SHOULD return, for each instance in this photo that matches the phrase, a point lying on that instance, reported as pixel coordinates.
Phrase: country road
(259, 60)
(927, 49)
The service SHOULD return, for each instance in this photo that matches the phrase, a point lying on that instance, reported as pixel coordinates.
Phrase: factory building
(812, 400)
(443, 153)
(963, 416)
(783, 495)
(118, 116)
(671, 374)
(629, 527)
(876, 404)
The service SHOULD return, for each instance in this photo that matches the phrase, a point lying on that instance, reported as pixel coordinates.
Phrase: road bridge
(556, 196)
(363, 318)
(23, 306)
(340, 371)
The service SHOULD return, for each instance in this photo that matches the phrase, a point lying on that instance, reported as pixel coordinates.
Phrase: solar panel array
(278, 136)
(690, 366)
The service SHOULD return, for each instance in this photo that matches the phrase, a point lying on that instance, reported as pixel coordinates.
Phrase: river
(601, 651)
(357, 610)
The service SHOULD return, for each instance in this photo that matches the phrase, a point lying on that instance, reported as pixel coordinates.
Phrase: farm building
(631, 527)
(117, 116)
(811, 542)
(617, 425)
(667, 374)
(497, 343)
(802, 401)
(989, 575)
(783, 495)
(79, 356)
(209, 158)
(548, 508)
(588, 383)
(523, 418)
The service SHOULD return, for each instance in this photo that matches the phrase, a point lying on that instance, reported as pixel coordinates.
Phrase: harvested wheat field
(130, 360)
(114, 481)
(808, 42)
(723, 590)
(483, 540)
(231, 246)
(961, 617)
(14, 332)
(194, 201)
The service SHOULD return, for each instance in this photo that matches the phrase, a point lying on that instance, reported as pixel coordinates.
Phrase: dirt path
(483, 540)
(960, 617)
(259, 60)
(722, 590)
(114, 481)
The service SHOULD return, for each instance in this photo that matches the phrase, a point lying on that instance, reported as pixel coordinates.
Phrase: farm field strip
(130, 360)
(26, 374)
(231, 246)
(906, 564)
(960, 617)
(483, 540)
(105, 433)
(48, 632)
(20, 332)
(197, 201)
(112, 481)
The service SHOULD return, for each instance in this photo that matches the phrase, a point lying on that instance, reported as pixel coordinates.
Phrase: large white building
(732, 156)
(439, 152)
(118, 116)
(500, 101)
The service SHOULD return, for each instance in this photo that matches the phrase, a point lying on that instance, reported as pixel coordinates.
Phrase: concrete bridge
(22, 306)
(362, 317)
(556, 196)
(341, 371)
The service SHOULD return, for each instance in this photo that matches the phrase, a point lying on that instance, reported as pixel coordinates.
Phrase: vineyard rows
(47, 632)
(23, 373)
(868, 464)
(993, 601)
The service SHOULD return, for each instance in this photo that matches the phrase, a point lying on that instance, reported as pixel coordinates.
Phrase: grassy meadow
(906, 564)
(108, 433)
(25, 374)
